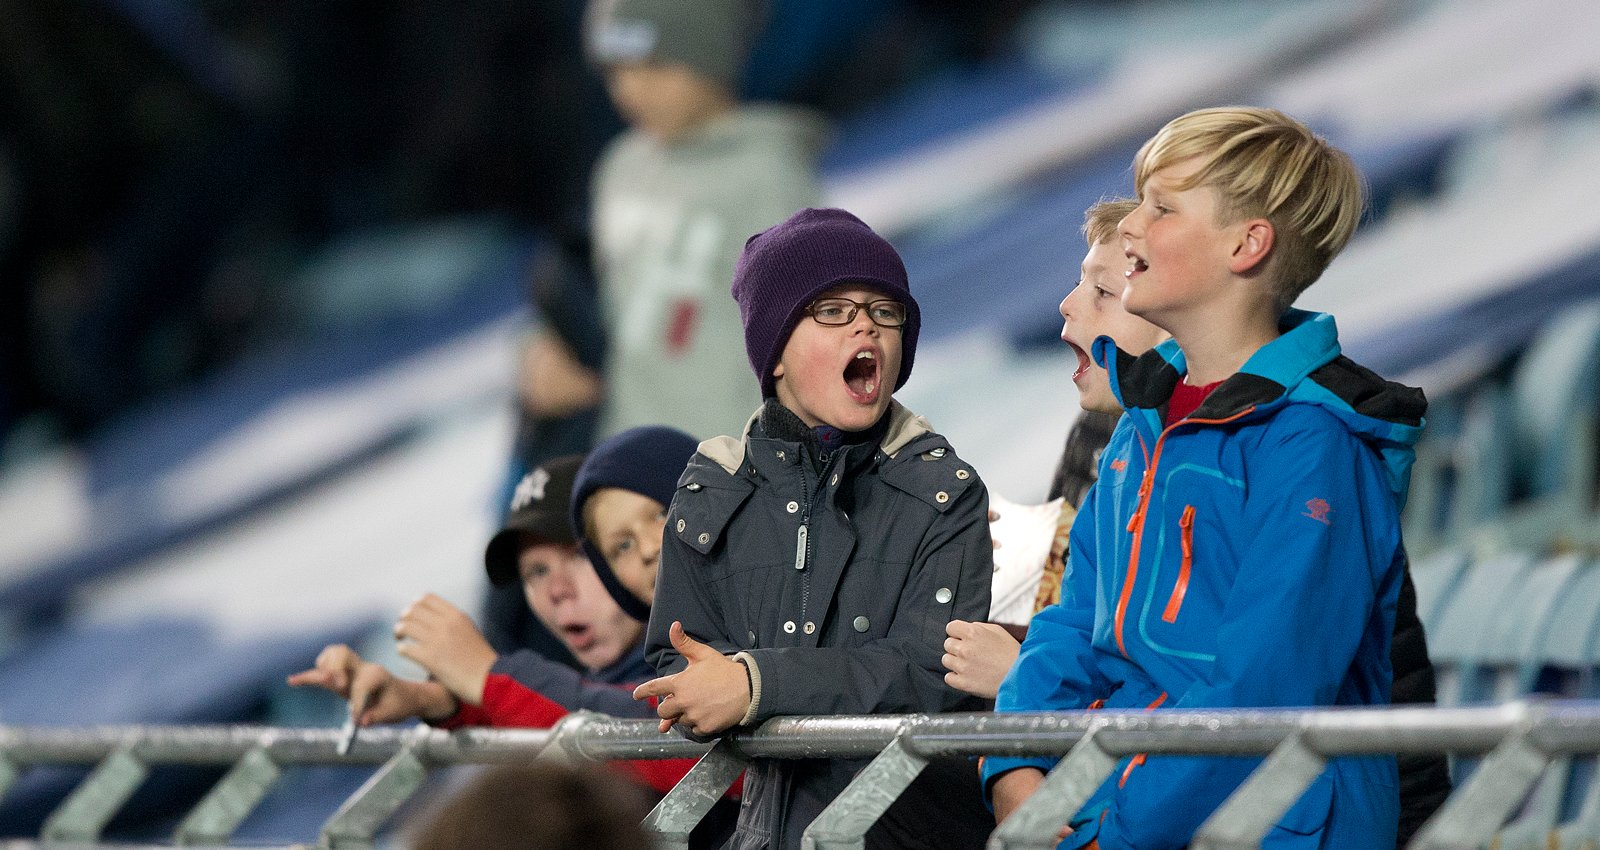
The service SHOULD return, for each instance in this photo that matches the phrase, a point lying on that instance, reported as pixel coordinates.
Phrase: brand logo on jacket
(1318, 509)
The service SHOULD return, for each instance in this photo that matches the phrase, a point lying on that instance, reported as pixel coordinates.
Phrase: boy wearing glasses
(811, 567)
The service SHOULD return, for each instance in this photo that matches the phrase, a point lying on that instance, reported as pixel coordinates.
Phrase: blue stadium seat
(1464, 639)
(1519, 628)
(1436, 578)
(1483, 455)
(1554, 396)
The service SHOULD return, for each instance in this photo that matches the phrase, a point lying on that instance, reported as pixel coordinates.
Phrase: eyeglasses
(842, 311)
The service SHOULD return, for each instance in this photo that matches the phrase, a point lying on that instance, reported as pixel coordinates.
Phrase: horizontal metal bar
(1552, 727)
(227, 744)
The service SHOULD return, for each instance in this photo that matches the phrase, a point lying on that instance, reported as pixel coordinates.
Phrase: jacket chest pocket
(1191, 577)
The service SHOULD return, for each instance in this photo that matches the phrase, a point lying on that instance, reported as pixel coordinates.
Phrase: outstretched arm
(375, 694)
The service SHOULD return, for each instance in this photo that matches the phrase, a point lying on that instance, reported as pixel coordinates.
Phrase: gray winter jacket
(832, 581)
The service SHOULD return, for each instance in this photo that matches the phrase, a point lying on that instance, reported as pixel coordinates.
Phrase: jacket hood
(904, 427)
(1302, 366)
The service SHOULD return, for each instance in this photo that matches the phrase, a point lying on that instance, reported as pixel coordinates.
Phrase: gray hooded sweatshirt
(669, 224)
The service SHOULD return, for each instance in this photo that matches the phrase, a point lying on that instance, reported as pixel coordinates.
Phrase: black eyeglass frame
(855, 309)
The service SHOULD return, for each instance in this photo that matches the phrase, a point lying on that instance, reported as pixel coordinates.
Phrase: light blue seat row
(1514, 462)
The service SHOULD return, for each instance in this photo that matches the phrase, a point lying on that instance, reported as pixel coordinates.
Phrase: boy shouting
(811, 567)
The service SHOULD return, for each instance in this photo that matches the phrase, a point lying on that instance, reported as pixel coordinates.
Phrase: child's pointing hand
(708, 696)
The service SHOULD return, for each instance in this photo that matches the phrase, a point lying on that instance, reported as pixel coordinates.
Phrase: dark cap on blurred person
(713, 37)
(539, 509)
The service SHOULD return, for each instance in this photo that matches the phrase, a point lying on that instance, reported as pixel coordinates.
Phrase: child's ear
(777, 371)
(1256, 237)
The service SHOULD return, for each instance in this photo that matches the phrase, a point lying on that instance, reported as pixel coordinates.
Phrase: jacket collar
(1303, 365)
(902, 428)
(1308, 342)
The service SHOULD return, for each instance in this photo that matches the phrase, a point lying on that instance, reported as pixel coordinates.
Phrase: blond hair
(1263, 163)
(1100, 222)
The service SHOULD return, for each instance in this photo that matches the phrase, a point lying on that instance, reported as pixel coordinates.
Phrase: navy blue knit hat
(649, 461)
(785, 267)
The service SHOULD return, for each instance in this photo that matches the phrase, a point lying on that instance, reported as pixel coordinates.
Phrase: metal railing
(1521, 742)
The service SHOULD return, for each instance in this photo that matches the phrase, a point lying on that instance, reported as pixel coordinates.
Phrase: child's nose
(1129, 225)
(560, 586)
(650, 541)
(863, 321)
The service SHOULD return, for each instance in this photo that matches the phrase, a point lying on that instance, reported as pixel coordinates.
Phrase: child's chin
(860, 417)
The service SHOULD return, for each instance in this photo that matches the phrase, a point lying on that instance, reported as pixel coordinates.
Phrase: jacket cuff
(466, 714)
(991, 767)
(753, 670)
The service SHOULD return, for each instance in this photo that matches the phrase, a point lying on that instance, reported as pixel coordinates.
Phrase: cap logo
(530, 489)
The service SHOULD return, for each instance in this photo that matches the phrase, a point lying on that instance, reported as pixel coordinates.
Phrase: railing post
(215, 818)
(85, 812)
(353, 826)
(1475, 812)
(1584, 830)
(1250, 812)
(843, 824)
(681, 809)
(1536, 823)
(1037, 823)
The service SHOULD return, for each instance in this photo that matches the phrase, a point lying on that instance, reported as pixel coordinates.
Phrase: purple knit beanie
(785, 267)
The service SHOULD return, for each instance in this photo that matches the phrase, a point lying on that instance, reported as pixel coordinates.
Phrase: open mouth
(579, 636)
(1085, 362)
(861, 376)
(1138, 265)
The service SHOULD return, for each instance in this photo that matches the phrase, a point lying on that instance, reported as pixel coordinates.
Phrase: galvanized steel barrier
(1522, 742)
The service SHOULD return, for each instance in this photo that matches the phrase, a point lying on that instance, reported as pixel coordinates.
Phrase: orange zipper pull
(1181, 587)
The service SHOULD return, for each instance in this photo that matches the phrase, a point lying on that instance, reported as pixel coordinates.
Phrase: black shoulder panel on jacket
(1370, 394)
(1237, 394)
(706, 499)
(1146, 380)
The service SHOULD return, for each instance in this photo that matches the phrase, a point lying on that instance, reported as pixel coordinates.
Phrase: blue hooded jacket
(1247, 556)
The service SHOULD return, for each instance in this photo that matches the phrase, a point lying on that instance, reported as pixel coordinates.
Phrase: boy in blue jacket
(1242, 545)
